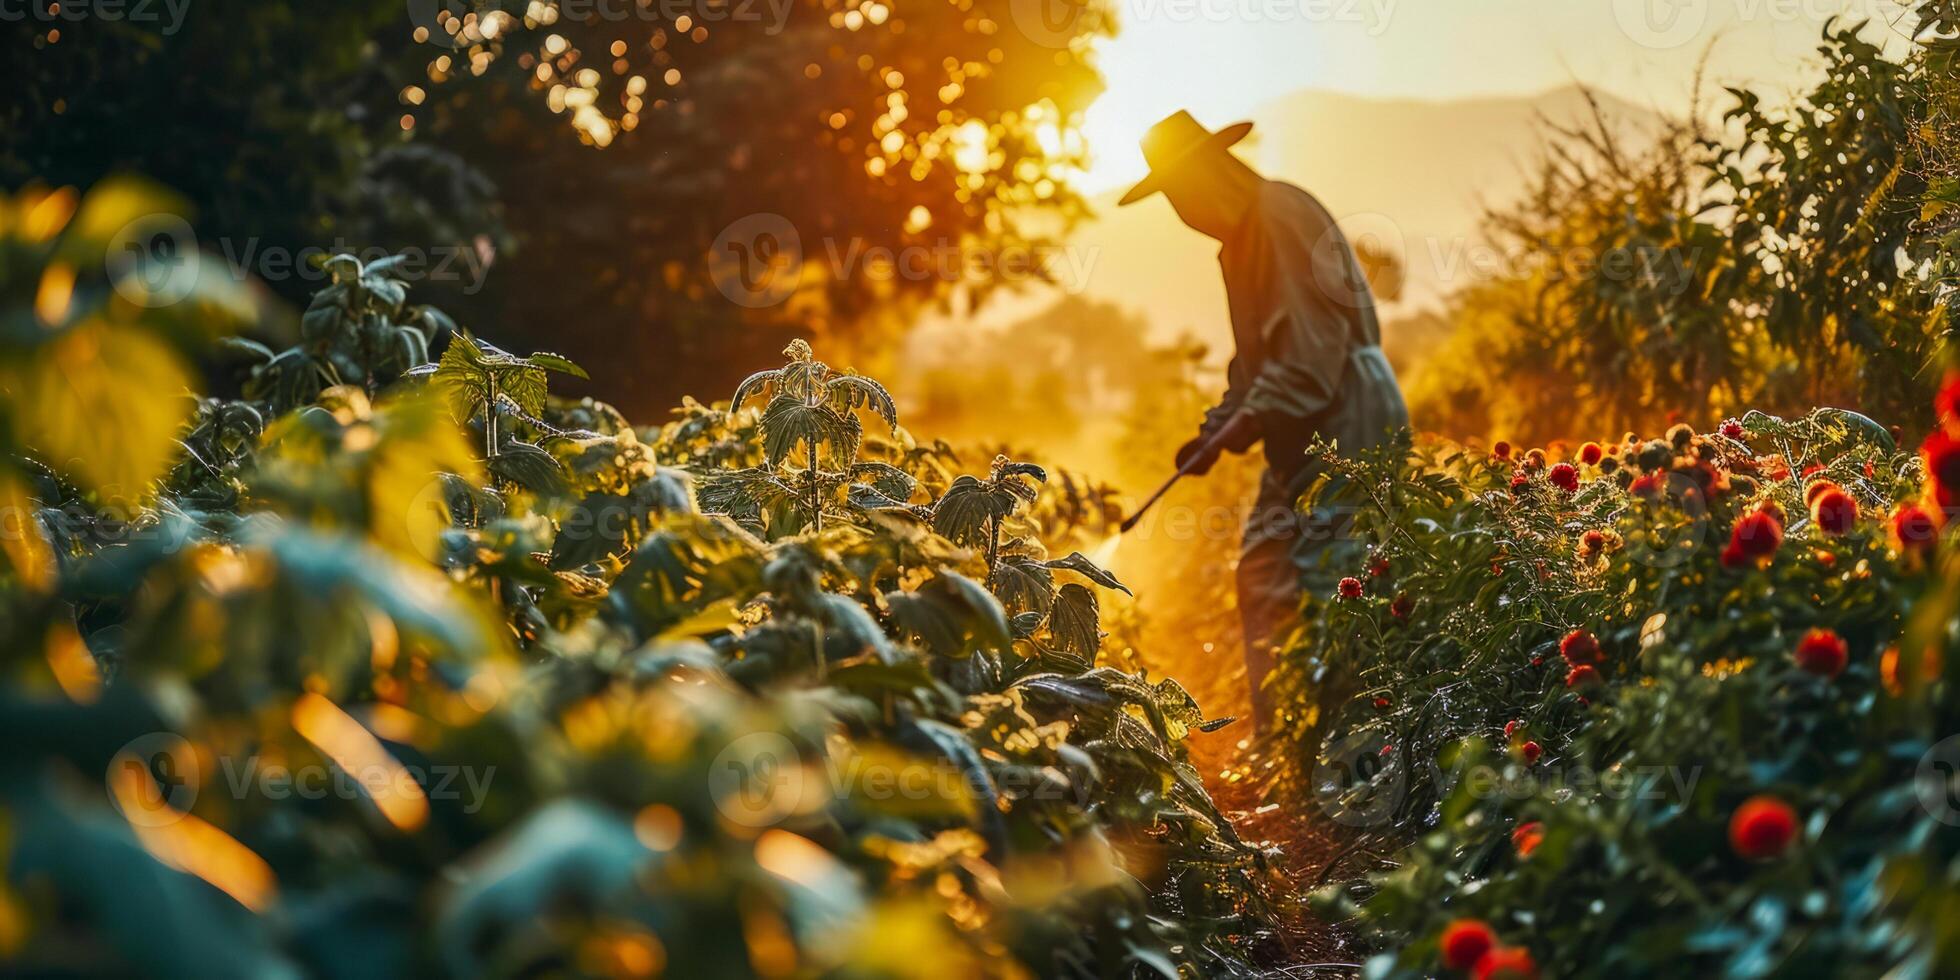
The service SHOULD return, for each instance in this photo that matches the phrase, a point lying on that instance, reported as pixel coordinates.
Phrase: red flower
(1946, 404)
(1733, 429)
(1822, 652)
(1378, 567)
(1350, 588)
(1464, 942)
(1584, 677)
(1579, 647)
(1381, 703)
(1762, 828)
(1506, 963)
(1592, 541)
(1402, 606)
(1647, 487)
(1810, 492)
(1942, 454)
(1534, 460)
(1833, 511)
(1501, 450)
(1520, 482)
(1527, 837)
(1511, 728)
(1914, 528)
(1591, 453)
(1757, 535)
(1565, 476)
(1530, 751)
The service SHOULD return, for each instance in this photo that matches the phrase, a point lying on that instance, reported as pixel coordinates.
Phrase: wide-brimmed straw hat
(1172, 143)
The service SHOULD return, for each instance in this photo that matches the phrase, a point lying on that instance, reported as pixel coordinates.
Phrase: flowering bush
(1688, 716)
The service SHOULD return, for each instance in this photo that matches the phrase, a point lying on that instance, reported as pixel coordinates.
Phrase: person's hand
(1196, 458)
(1239, 432)
(1237, 435)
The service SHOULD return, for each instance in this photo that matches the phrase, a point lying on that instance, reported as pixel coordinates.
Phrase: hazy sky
(1220, 58)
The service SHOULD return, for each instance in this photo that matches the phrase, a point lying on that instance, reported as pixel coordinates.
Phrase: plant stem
(816, 499)
(490, 416)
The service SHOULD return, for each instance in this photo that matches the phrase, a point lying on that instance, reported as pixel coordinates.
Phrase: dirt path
(1196, 641)
(1237, 777)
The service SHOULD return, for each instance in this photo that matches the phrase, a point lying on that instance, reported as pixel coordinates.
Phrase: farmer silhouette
(1308, 362)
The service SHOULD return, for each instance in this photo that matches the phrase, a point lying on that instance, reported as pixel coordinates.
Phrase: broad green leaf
(101, 404)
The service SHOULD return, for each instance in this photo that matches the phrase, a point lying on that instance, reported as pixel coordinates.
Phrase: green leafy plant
(486, 380)
(360, 329)
(814, 407)
(733, 735)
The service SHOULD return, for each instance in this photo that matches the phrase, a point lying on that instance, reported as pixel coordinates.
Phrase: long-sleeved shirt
(1308, 357)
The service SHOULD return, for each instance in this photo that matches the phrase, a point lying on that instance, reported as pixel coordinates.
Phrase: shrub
(714, 705)
(1733, 681)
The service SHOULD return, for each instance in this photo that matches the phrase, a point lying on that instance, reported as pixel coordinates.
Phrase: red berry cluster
(1471, 944)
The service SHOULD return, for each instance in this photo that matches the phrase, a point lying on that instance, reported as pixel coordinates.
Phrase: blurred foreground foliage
(395, 666)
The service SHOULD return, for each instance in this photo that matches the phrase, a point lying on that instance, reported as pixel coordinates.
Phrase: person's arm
(1306, 355)
(1228, 406)
(1226, 427)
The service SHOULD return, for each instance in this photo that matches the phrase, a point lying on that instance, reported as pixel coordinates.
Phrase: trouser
(1285, 554)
